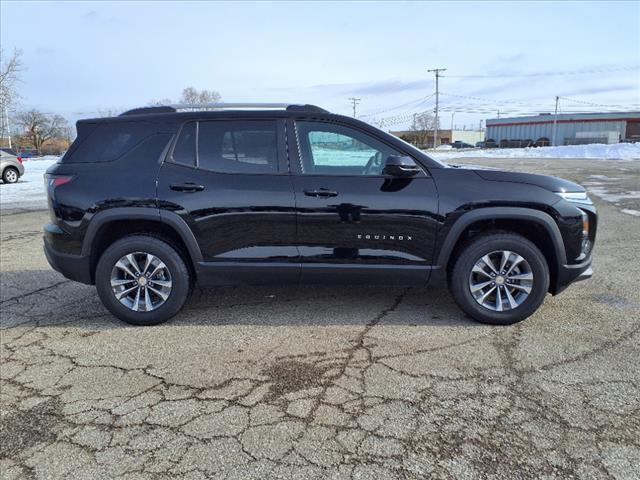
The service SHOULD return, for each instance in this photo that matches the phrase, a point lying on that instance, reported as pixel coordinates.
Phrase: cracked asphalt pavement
(324, 382)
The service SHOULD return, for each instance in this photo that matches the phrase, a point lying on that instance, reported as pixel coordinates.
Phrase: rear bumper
(74, 267)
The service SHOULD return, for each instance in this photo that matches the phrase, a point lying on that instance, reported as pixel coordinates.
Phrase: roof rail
(190, 107)
(145, 110)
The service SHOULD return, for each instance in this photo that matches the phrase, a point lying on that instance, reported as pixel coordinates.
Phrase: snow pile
(29, 193)
(615, 151)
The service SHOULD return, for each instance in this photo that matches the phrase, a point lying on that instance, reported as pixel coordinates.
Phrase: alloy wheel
(141, 281)
(501, 280)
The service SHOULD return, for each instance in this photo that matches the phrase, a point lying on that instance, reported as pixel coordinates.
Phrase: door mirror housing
(399, 166)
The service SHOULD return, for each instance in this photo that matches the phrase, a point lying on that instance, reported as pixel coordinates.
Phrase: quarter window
(331, 149)
(108, 141)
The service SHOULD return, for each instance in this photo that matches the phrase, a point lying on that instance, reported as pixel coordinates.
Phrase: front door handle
(188, 187)
(321, 192)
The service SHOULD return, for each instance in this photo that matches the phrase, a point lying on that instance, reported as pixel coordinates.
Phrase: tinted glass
(185, 149)
(238, 147)
(109, 141)
(338, 150)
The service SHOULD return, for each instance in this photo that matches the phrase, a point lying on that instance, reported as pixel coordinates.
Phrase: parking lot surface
(324, 382)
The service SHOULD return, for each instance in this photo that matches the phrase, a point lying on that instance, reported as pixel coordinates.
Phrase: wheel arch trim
(171, 219)
(502, 213)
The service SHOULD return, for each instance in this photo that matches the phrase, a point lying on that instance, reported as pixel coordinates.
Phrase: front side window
(238, 146)
(331, 149)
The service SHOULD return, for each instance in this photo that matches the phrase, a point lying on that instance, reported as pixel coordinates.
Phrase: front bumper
(569, 274)
(74, 267)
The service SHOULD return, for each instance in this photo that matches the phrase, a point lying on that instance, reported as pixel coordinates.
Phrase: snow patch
(616, 151)
(604, 194)
(29, 193)
(630, 211)
(604, 178)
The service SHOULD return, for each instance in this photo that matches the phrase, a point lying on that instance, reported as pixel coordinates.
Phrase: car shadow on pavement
(45, 297)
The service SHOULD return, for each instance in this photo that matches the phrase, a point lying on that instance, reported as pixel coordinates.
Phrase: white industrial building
(563, 129)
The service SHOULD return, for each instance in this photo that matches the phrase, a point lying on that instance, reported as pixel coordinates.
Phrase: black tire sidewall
(10, 169)
(165, 252)
(483, 245)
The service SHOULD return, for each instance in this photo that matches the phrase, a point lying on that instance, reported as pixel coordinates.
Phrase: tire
(174, 272)
(515, 305)
(10, 175)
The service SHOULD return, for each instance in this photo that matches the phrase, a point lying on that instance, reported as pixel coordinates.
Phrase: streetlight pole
(555, 123)
(6, 118)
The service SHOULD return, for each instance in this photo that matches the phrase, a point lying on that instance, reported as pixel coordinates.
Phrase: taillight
(19, 159)
(59, 180)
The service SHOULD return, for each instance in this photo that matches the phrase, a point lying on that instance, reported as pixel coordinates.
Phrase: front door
(229, 181)
(355, 224)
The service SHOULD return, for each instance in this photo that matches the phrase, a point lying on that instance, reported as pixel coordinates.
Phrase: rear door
(229, 181)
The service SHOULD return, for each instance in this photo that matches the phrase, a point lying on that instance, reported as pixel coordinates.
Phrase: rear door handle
(188, 187)
(321, 192)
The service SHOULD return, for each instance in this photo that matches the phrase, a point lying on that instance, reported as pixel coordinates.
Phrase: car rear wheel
(142, 280)
(10, 175)
(500, 278)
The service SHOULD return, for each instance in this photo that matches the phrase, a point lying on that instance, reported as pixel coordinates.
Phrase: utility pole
(555, 123)
(498, 114)
(435, 129)
(354, 102)
(452, 115)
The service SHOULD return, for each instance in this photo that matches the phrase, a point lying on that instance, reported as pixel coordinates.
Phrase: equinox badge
(369, 236)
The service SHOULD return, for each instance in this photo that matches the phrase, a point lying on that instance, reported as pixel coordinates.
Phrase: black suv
(146, 204)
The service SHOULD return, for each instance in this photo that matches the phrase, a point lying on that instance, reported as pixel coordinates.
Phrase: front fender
(503, 213)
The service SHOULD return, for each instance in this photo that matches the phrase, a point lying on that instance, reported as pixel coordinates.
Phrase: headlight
(576, 197)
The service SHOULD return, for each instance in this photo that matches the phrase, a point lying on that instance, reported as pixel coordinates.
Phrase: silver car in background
(11, 168)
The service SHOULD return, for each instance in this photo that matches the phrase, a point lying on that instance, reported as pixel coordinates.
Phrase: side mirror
(398, 166)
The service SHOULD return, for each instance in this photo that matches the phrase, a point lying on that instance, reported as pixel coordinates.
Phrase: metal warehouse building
(563, 129)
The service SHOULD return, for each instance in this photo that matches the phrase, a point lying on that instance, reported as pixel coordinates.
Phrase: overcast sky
(86, 56)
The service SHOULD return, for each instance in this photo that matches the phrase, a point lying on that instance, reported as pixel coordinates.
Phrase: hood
(553, 184)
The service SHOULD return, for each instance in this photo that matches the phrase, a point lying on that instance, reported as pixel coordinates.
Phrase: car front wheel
(499, 278)
(142, 280)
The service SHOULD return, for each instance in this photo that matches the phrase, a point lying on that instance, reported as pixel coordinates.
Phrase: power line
(378, 112)
(584, 102)
(549, 74)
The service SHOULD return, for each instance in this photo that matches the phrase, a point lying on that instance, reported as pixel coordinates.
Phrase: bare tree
(423, 125)
(39, 127)
(164, 101)
(108, 112)
(11, 69)
(193, 96)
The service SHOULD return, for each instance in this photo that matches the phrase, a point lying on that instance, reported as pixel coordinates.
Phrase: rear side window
(238, 146)
(108, 141)
(184, 152)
